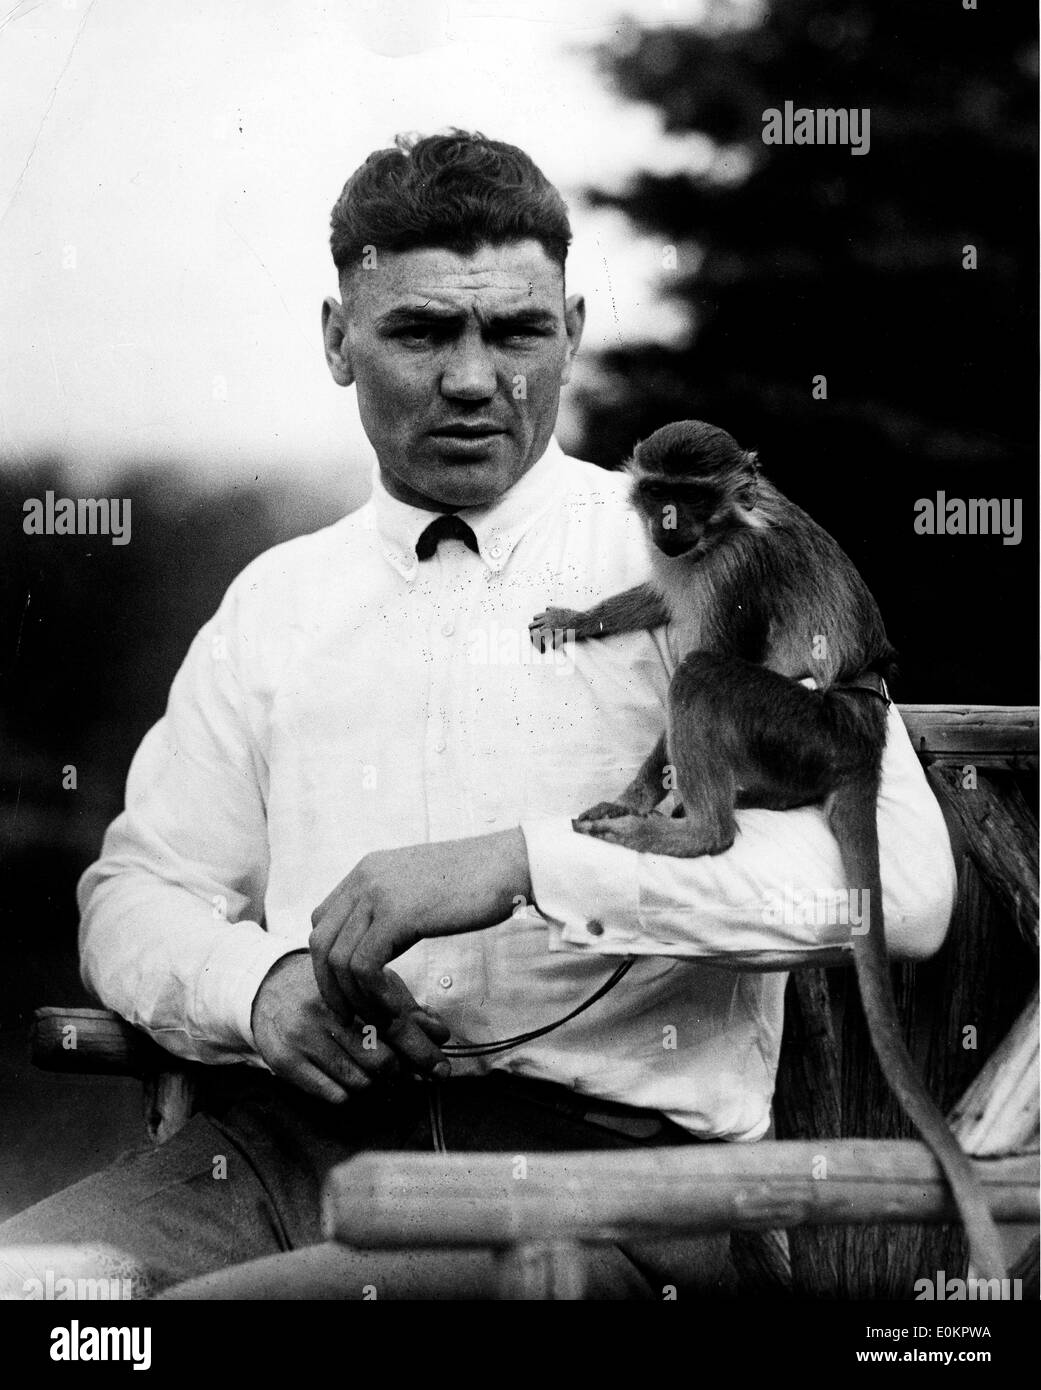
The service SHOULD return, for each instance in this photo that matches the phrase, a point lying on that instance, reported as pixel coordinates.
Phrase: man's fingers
(315, 1081)
(361, 987)
(367, 1049)
(432, 1024)
(330, 1056)
(359, 960)
(350, 968)
(412, 1030)
(322, 941)
(413, 1044)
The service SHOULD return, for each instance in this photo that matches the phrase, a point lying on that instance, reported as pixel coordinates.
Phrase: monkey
(759, 597)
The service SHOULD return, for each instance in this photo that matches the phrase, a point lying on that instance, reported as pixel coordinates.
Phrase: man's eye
(418, 334)
(515, 336)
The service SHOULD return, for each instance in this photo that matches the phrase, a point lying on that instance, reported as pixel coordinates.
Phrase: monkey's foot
(653, 834)
(627, 830)
(553, 627)
(605, 810)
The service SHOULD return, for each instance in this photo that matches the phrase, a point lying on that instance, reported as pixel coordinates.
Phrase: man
(364, 725)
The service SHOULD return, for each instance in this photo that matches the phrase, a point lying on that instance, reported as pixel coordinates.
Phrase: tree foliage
(803, 261)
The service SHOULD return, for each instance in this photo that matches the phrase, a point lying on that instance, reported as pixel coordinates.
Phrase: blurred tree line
(91, 636)
(795, 261)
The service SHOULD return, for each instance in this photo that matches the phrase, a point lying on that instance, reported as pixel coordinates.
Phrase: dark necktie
(449, 527)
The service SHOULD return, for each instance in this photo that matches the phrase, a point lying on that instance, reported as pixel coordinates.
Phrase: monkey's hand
(603, 810)
(553, 628)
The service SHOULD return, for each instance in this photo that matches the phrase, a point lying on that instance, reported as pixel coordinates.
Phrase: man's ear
(574, 322)
(334, 335)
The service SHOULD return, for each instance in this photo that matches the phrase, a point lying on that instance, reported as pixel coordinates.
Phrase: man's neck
(403, 493)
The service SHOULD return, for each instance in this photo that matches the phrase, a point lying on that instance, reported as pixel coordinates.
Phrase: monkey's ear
(748, 493)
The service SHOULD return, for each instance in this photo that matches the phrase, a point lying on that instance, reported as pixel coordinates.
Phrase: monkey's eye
(658, 492)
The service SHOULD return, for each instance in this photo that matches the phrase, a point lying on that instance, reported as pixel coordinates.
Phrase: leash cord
(485, 1049)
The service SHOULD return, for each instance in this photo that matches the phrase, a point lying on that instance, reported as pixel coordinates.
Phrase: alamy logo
(81, 1343)
(50, 1287)
(822, 125)
(954, 1290)
(799, 907)
(510, 646)
(80, 516)
(979, 516)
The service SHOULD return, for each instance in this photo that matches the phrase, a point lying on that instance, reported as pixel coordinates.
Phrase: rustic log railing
(564, 1202)
(794, 1230)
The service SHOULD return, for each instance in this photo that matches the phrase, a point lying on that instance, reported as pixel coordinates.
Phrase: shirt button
(448, 629)
(495, 551)
(440, 746)
(445, 982)
(595, 928)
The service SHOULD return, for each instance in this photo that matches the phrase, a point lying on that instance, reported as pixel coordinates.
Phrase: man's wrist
(515, 869)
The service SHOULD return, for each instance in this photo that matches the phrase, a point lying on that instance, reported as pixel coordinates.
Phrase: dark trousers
(242, 1182)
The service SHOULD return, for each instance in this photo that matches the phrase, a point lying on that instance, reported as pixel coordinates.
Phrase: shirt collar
(498, 526)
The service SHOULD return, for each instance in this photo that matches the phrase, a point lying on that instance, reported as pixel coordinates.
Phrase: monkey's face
(694, 484)
(682, 517)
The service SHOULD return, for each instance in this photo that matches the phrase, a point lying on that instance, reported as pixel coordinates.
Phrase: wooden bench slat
(392, 1200)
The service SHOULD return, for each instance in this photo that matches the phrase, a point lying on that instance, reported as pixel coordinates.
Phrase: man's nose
(470, 372)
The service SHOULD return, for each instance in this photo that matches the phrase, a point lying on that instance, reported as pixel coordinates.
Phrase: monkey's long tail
(852, 815)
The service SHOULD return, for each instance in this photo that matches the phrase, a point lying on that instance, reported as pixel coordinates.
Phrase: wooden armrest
(393, 1200)
(93, 1040)
(991, 736)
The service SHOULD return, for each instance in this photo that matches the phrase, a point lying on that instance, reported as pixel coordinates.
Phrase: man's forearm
(393, 898)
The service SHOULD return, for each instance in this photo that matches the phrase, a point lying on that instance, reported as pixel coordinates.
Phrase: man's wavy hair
(458, 191)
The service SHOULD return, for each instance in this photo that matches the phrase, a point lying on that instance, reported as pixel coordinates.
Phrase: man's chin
(436, 476)
(469, 482)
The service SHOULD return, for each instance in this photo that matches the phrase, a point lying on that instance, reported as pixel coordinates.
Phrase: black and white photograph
(518, 670)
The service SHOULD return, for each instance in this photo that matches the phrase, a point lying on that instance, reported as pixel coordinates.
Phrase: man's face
(458, 360)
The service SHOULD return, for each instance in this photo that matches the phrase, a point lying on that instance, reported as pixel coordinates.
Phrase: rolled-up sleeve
(169, 935)
(777, 896)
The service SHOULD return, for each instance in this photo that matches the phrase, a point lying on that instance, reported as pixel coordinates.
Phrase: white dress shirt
(347, 698)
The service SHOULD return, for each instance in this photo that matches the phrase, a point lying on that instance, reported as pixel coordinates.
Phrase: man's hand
(302, 1040)
(394, 898)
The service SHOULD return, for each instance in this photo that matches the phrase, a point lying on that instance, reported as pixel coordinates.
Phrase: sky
(166, 176)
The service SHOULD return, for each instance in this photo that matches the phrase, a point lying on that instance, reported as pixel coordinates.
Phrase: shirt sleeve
(774, 898)
(169, 935)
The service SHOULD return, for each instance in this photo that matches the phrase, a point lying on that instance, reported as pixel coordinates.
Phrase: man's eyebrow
(402, 316)
(420, 313)
(524, 318)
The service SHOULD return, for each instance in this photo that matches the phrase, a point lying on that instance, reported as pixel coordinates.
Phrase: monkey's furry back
(772, 592)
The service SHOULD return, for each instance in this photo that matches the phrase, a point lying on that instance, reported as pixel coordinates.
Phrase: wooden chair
(805, 1208)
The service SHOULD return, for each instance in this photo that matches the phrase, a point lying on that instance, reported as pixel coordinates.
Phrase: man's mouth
(469, 429)
(471, 441)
